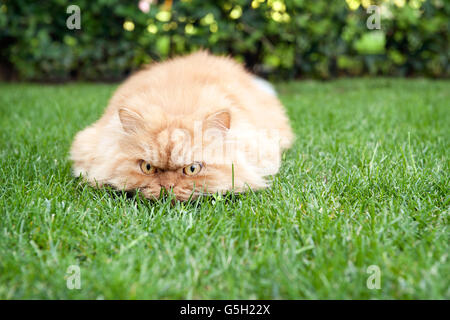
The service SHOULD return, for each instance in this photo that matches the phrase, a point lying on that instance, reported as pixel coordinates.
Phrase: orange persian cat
(193, 125)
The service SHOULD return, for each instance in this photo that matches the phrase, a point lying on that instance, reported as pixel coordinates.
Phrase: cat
(193, 125)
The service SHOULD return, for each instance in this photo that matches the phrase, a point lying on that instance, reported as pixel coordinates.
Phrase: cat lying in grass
(197, 124)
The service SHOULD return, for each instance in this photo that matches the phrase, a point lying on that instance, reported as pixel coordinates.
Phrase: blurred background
(278, 39)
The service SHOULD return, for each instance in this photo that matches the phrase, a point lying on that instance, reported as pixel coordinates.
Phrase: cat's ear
(220, 120)
(131, 120)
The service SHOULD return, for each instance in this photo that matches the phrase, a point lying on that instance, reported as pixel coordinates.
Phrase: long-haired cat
(197, 124)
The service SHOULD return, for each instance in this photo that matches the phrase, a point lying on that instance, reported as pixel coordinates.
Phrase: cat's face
(161, 152)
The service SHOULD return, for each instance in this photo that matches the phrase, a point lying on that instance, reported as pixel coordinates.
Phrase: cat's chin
(179, 195)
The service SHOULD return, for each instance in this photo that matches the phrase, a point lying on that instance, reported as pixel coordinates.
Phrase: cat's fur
(199, 94)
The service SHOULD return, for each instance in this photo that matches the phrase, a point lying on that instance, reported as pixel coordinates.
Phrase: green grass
(366, 183)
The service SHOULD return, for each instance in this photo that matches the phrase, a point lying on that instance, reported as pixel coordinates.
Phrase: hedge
(282, 39)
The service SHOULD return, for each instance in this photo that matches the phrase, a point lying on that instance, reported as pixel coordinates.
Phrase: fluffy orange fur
(198, 108)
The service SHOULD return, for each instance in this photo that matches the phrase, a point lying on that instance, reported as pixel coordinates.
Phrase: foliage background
(276, 38)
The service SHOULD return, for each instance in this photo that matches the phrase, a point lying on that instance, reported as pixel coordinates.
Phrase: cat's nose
(167, 179)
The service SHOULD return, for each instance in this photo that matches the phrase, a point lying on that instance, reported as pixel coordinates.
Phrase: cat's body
(196, 122)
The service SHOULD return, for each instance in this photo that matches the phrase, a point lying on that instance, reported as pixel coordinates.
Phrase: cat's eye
(192, 169)
(147, 168)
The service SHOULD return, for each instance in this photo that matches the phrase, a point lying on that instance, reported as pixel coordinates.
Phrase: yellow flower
(128, 25)
(236, 13)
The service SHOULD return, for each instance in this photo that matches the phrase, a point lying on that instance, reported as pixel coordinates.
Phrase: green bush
(278, 38)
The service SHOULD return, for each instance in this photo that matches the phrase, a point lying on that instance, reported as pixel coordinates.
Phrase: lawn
(366, 183)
